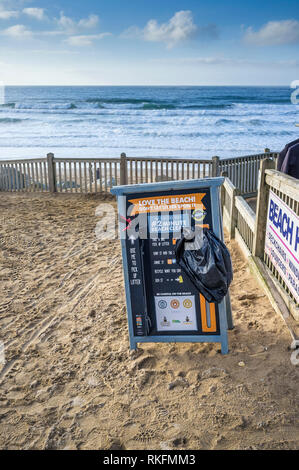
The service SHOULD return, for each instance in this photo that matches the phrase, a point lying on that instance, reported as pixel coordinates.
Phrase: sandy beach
(69, 380)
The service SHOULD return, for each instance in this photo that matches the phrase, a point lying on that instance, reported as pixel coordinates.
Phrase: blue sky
(142, 42)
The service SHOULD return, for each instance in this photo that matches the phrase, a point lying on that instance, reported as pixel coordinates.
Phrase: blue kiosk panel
(163, 305)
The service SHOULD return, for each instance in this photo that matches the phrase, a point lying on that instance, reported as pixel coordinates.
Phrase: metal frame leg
(229, 315)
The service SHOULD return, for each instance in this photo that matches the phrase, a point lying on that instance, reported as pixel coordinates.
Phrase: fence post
(261, 209)
(222, 190)
(233, 213)
(215, 166)
(123, 169)
(51, 173)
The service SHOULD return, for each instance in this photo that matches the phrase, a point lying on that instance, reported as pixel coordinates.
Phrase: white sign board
(282, 242)
(175, 313)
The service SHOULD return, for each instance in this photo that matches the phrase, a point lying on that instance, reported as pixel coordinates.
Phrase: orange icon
(175, 304)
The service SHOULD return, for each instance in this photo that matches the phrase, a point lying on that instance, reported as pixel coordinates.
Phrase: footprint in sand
(148, 362)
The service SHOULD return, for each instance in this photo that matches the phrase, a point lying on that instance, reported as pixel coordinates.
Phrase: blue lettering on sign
(297, 239)
(282, 222)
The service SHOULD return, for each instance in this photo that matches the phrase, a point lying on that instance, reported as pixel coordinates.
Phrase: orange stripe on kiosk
(204, 319)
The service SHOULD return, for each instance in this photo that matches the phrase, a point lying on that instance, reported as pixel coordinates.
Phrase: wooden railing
(244, 176)
(86, 176)
(245, 222)
(96, 175)
(149, 170)
(228, 196)
(249, 228)
(238, 217)
(243, 171)
(24, 175)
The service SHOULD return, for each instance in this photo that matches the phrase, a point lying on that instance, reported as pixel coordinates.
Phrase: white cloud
(90, 22)
(17, 31)
(179, 28)
(37, 13)
(74, 30)
(72, 27)
(227, 62)
(85, 40)
(65, 22)
(8, 14)
(274, 33)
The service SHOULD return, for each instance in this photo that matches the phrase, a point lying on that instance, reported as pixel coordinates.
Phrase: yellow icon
(199, 215)
(187, 303)
(180, 279)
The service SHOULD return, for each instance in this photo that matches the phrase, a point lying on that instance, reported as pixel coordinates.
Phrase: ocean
(145, 121)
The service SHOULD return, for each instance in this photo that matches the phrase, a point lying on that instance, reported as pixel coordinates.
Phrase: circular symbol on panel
(187, 303)
(162, 304)
(198, 215)
(175, 304)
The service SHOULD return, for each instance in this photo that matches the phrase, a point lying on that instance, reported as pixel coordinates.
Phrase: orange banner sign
(167, 203)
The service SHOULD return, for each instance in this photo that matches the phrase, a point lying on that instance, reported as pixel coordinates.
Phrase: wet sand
(69, 380)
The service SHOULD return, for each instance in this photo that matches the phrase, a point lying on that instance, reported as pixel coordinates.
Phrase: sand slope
(70, 381)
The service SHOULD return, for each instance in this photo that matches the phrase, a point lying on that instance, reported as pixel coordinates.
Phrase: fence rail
(148, 170)
(245, 176)
(86, 176)
(245, 222)
(24, 175)
(249, 228)
(96, 175)
(243, 171)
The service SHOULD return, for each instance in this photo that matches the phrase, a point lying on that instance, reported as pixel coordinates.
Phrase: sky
(149, 42)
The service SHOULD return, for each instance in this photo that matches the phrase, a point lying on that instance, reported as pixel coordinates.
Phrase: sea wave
(119, 100)
(211, 134)
(207, 106)
(10, 120)
(8, 105)
(153, 106)
(250, 122)
(45, 106)
(206, 120)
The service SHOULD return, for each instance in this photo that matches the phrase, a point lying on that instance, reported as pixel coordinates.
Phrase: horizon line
(149, 86)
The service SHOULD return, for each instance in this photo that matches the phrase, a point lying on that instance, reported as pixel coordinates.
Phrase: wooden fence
(245, 176)
(243, 171)
(96, 175)
(249, 227)
(24, 175)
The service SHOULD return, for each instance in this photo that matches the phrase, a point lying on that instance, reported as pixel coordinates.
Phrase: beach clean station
(163, 305)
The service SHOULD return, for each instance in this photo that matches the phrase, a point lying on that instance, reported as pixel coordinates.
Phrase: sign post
(162, 303)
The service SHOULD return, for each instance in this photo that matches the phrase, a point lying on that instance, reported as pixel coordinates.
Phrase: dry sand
(70, 381)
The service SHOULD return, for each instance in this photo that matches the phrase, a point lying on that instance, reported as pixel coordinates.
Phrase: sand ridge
(69, 380)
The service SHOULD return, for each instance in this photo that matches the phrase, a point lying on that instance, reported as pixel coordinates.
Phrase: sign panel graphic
(282, 242)
(173, 303)
(176, 313)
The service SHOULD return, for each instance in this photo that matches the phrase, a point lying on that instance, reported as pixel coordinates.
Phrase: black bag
(209, 266)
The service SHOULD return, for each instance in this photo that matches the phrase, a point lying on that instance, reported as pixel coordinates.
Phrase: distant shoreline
(148, 86)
